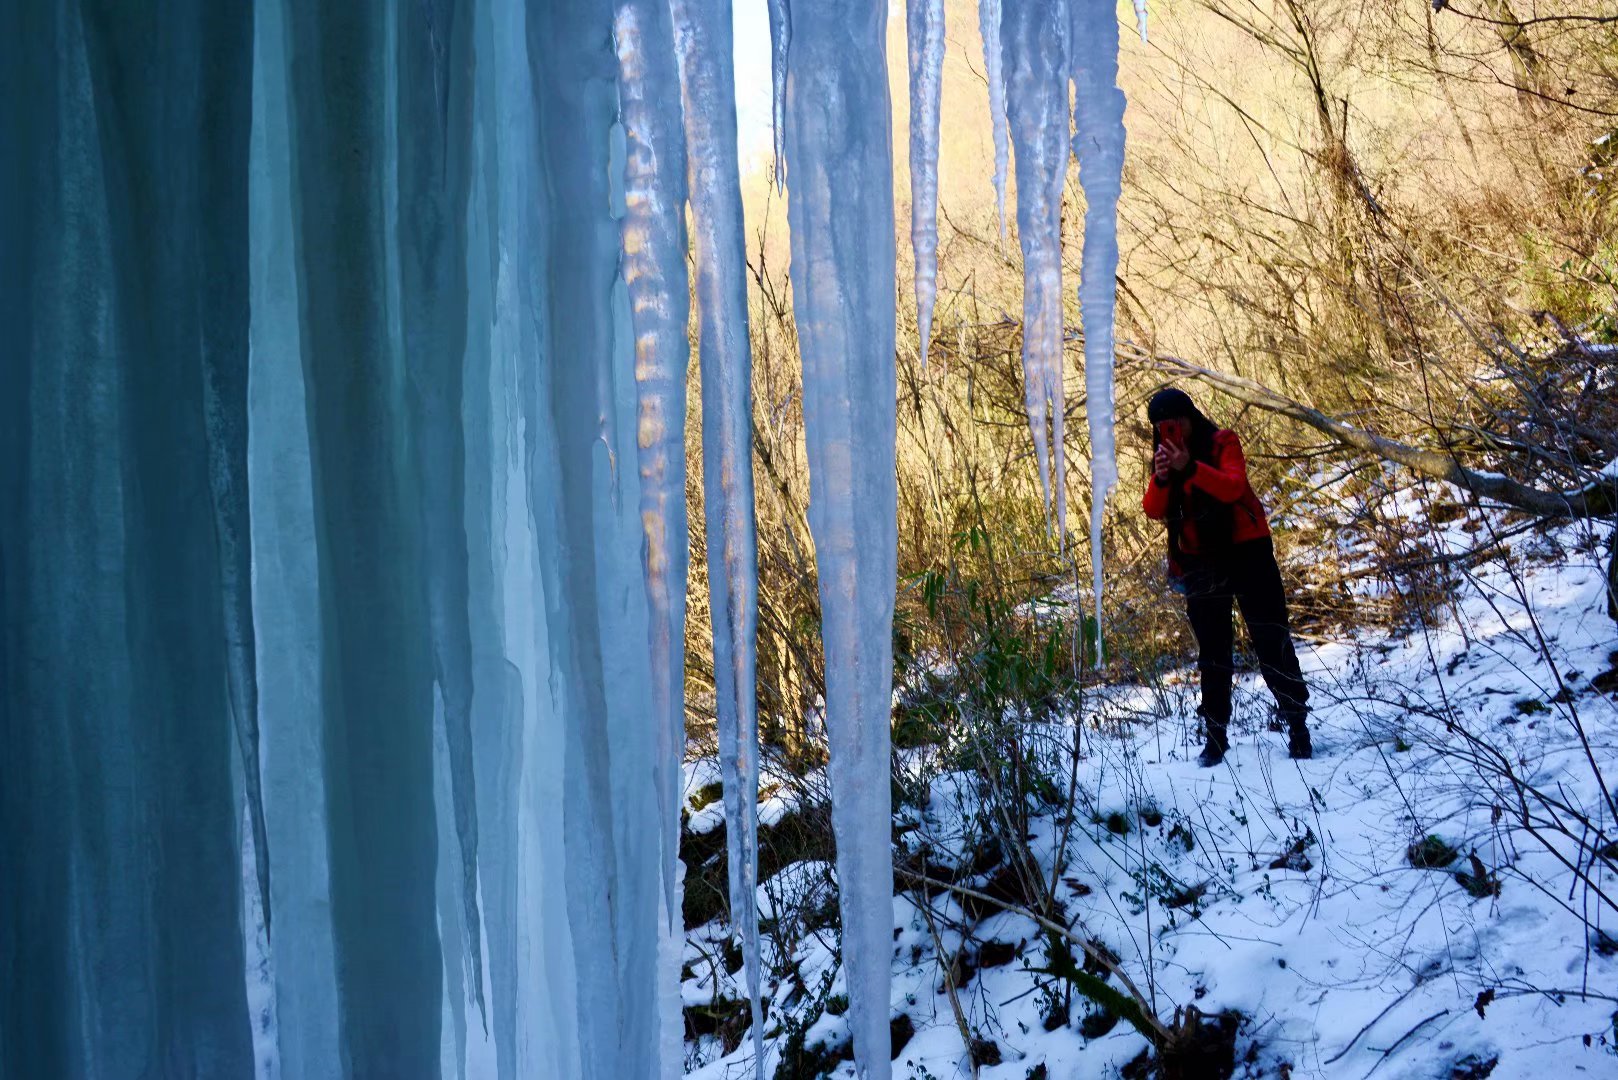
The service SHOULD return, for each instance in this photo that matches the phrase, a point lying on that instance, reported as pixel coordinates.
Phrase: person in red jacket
(1220, 551)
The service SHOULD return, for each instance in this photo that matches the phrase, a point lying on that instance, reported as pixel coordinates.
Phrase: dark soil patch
(1201, 1047)
(901, 1029)
(993, 954)
(1098, 1023)
(802, 834)
(1430, 853)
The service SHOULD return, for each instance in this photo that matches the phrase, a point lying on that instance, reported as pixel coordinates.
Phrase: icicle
(780, 43)
(994, 71)
(224, 403)
(1140, 17)
(375, 631)
(671, 1006)
(839, 159)
(703, 38)
(592, 545)
(1098, 140)
(526, 903)
(1033, 33)
(434, 134)
(924, 28)
(286, 589)
(654, 251)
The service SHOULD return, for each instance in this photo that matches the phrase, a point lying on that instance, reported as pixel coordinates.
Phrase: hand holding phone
(1174, 443)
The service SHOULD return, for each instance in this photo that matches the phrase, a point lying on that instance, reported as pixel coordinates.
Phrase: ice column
(376, 645)
(924, 29)
(502, 594)
(1033, 34)
(286, 591)
(123, 354)
(591, 541)
(1098, 140)
(703, 39)
(841, 214)
(434, 55)
(518, 729)
(654, 254)
(994, 72)
(654, 251)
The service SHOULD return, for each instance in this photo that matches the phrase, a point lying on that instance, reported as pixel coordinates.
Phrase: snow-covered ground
(1285, 890)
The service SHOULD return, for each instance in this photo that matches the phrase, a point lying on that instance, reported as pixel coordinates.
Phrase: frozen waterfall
(343, 505)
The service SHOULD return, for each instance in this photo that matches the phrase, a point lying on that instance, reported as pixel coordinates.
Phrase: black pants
(1249, 576)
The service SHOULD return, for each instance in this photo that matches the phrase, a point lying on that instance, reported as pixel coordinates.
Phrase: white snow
(1343, 958)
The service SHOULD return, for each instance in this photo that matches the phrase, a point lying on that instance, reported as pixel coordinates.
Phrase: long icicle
(653, 237)
(1098, 141)
(589, 557)
(839, 157)
(286, 590)
(780, 42)
(924, 30)
(703, 42)
(1033, 34)
(434, 53)
(994, 70)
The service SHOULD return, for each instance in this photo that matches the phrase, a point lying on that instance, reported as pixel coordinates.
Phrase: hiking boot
(1299, 745)
(1218, 744)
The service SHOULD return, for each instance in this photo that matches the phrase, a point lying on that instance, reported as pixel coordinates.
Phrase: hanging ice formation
(780, 42)
(1033, 35)
(924, 31)
(994, 72)
(1140, 17)
(123, 310)
(653, 229)
(840, 207)
(342, 512)
(1098, 142)
(703, 41)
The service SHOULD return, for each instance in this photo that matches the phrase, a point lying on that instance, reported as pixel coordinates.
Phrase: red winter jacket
(1225, 479)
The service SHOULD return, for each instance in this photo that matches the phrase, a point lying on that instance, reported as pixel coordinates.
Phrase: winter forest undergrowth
(1419, 900)
(604, 539)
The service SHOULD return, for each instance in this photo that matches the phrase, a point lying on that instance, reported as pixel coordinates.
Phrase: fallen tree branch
(1101, 959)
(1599, 498)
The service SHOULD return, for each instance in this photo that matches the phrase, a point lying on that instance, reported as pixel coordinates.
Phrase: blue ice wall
(123, 303)
(343, 367)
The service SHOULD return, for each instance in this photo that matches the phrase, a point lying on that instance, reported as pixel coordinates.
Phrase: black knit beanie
(1169, 403)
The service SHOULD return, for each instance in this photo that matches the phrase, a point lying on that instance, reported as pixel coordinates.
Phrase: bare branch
(1598, 498)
